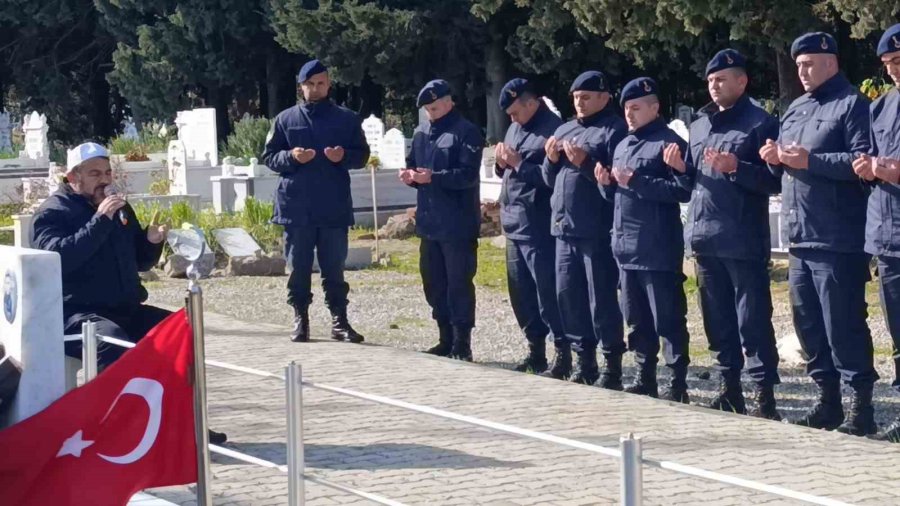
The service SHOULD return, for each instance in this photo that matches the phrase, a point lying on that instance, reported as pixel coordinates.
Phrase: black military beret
(814, 43)
(592, 80)
(432, 91)
(637, 88)
(309, 69)
(726, 59)
(513, 90)
(890, 41)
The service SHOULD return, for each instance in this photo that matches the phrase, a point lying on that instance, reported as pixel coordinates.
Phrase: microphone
(110, 190)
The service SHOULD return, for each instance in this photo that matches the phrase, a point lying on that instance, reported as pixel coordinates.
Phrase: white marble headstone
(176, 161)
(31, 326)
(236, 242)
(393, 150)
(5, 132)
(374, 130)
(130, 131)
(197, 130)
(36, 146)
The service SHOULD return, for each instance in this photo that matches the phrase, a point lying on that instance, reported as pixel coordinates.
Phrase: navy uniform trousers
(448, 269)
(586, 285)
(330, 245)
(128, 324)
(654, 306)
(736, 305)
(889, 286)
(828, 298)
(531, 278)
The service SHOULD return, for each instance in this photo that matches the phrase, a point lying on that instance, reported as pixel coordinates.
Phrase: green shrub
(248, 138)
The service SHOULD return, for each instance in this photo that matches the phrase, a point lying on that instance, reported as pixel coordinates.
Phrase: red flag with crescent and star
(130, 428)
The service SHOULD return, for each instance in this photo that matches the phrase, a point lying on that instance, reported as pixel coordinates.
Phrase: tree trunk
(495, 73)
(103, 128)
(219, 98)
(789, 86)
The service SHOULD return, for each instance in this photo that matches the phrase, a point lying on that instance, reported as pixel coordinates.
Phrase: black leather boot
(731, 395)
(536, 361)
(891, 434)
(645, 384)
(562, 364)
(677, 391)
(586, 370)
(861, 419)
(462, 343)
(765, 403)
(300, 332)
(341, 329)
(611, 378)
(445, 342)
(827, 413)
(216, 438)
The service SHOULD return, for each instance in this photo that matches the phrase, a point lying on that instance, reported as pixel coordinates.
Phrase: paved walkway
(419, 459)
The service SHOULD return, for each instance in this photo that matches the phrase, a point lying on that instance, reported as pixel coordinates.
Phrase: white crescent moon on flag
(152, 393)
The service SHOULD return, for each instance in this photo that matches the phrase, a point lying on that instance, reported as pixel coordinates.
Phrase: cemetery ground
(388, 307)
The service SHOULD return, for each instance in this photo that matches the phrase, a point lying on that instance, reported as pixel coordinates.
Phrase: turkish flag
(130, 428)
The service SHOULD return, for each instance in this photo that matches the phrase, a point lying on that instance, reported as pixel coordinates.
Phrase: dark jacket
(100, 257)
(525, 196)
(729, 214)
(824, 206)
(579, 211)
(316, 193)
(883, 220)
(647, 231)
(448, 208)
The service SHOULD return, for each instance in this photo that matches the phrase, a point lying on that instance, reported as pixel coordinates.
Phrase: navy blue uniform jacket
(647, 231)
(579, 210)
(100, 257)
(824, 206)
(448, 208)
(525, 196)
(316, 193)
(883, 222)
(729, 214)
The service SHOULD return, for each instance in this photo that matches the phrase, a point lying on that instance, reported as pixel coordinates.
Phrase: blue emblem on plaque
(10, 296)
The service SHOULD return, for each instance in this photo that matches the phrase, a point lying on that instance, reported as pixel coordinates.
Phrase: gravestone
(197, 130)
(129, 131)
(374, 130)
(5, 132)
(176, 162)
(36, 146)
(685, 114)
(31, 327)
(393, 149)
(236, 242)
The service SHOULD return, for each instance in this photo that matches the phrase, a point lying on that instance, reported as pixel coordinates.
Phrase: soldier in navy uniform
(727, 232)
(647, 240)
(824, 211)
(525, 217)
(443, 166)
(882, 170)
(312, 146)
(586, 273)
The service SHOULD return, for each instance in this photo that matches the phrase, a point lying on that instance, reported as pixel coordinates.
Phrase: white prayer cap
(84, 152)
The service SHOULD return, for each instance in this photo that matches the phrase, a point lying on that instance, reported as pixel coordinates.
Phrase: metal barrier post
(295, 460)
(375, 214)
(632, 473)
(89, 350)
(201, 423)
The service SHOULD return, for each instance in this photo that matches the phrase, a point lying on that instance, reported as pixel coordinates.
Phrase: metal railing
(629, 452)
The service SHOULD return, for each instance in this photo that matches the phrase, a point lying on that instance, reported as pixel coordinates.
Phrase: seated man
(102, 247)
